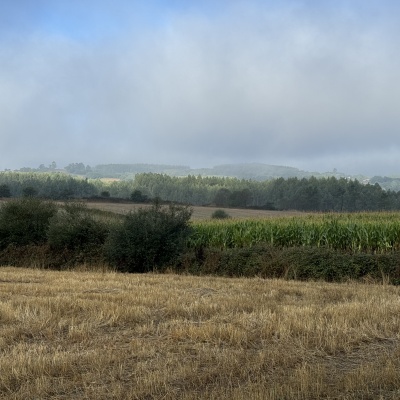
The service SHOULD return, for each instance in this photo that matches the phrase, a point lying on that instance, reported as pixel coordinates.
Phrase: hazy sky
(309, 84)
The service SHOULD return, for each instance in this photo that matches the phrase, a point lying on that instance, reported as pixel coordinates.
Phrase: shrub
(220, 214)
(75, 228)
(5, 191)
(138, 197)
(29, 192)
(25, 221)
(301, 263)
(149, 238)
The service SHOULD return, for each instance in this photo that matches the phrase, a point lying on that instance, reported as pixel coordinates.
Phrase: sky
(308, 84)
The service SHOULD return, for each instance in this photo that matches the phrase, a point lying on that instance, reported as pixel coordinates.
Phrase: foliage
(53, 185)
(300, 263)
(124, 171)
(105, 194)
(149, 238)
(25, 221)
(29, 191)
(138, 197)
(75, 228)
(78, 169)
(307, 194)
(220, 214)
(5, 191)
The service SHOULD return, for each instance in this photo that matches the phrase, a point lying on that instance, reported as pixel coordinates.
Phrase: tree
(149, 238)
(29, 191)
(25, 221)
(77, 168)
(5, 191)
(240, 198)
(308, 197)
(222, 198)
(138, 197)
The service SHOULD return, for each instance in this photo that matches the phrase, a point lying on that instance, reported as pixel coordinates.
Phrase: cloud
(272, 84)
(293, 83)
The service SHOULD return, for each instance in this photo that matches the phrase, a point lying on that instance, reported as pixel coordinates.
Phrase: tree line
(306, 194)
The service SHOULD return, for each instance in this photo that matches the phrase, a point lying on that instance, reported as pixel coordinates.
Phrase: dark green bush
(149, 238)
(25, 221)
(138, 197)
(29, 192)
(5, 191)
(302, 263)
(220, 214)
(74, 227)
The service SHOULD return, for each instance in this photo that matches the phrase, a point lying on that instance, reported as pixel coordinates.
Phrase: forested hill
(306, 194)
(128, 171)
(253, 171)
(257, 171)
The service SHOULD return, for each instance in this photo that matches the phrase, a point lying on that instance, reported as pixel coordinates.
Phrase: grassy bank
(74, 335)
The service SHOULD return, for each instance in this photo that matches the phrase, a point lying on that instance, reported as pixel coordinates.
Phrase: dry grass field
(199, 213)
(103, 335)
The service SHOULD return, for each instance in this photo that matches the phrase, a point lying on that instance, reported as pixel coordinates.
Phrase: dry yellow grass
(93, 335)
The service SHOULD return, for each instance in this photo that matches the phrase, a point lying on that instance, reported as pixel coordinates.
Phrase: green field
(366, 232)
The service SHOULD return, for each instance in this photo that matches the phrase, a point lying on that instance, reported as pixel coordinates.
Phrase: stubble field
(103, 335)
(199, 213)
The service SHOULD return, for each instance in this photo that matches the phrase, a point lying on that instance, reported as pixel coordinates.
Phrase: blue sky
(309, 84)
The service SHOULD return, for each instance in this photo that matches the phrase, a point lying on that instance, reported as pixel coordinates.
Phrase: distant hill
(254, 171)
(127, 171)
(386, 183)
(260, 172)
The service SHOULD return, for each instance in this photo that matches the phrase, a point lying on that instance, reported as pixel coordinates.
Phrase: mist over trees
(54, 186)
(324, 194)
(306, 194)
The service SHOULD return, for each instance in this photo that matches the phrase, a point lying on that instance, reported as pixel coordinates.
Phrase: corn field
(361, 232)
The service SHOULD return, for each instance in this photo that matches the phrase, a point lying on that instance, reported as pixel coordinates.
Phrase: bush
(138, 197)
(75, 228)
(300, 263)
(149, 238)
(220, 214)
(29, 192)
(5, 191)
(25, 221)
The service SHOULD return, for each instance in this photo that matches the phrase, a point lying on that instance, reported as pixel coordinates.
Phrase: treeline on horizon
(307, 194)
(249, 171)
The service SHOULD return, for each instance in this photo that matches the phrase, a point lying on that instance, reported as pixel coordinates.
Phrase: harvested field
(93, 335)
(198, 212)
